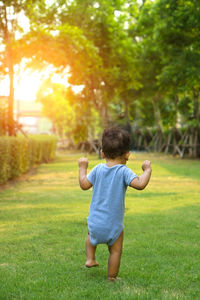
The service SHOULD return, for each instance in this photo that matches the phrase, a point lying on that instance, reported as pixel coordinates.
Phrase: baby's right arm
(83, 181)
(139, 183)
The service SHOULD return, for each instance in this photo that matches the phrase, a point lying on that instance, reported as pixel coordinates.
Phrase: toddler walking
(109, 182)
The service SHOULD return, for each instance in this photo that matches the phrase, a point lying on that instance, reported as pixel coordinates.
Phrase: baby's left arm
(139, 183)
(83, 181)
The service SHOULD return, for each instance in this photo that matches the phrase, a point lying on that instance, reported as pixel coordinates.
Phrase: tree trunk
(193, 151)
(191, 144)
(157, 118)
(126, 104)
(104, 115)
(196, 111)
(176, 99)
(11, 130)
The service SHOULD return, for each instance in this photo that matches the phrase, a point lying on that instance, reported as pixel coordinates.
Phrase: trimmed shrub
(4, 159)
(19, 154)
(15, 157)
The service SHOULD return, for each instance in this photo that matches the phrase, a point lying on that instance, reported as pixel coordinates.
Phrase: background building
(29, 115)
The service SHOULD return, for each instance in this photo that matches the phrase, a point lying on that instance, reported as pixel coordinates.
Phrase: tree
(91, 39)
(169, 62)
(3, 116)
(150, 65)
(103, 24)
(11, 33)
(177, 36)
(70, 113)
(7, 26)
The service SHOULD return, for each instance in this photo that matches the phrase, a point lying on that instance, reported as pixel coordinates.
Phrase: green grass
(43, 230)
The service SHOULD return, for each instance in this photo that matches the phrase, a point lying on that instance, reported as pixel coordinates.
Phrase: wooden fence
(182, 142)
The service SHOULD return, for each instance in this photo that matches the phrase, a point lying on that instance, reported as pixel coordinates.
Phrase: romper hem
(116, 238)
(110, 242)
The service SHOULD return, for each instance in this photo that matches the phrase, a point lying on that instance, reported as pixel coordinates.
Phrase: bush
(4, 159)
(19, 154)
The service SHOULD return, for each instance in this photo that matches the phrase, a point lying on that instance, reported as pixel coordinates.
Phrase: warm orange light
(28, 82)
(27, 85)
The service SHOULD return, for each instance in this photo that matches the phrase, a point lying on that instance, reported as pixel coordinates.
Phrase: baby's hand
(146, 165)
(83, 162)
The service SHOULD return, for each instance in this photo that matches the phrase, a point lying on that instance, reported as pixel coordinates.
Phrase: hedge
(19, 154)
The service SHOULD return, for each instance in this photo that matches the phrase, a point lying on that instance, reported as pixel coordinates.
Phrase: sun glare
(28, 82)
(27, 86)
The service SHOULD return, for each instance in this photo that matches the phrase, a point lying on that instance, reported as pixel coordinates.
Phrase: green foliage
(3, 118)
(168, 58)
(91, 39)
(19, 154)
(139, 64)
(4, 159)
(72, 114)
(16, 158)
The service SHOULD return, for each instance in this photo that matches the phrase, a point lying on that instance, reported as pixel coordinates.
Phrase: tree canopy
(138, 63)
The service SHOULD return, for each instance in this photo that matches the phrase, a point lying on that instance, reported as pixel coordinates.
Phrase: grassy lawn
(43, 230)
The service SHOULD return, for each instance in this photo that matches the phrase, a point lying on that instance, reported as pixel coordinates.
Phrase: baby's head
(115, 142)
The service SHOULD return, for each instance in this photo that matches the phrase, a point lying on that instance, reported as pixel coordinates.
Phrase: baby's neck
(115, 161)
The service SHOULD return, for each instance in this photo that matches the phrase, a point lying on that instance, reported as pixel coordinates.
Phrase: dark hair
(115, 142)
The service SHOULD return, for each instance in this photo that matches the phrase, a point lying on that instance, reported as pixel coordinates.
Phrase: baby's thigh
(118, 244)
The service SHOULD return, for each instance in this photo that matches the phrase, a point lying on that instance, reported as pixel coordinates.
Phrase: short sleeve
(129, 175)
(92, 175)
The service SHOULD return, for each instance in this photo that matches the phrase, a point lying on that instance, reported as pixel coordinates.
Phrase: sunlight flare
(28, 85)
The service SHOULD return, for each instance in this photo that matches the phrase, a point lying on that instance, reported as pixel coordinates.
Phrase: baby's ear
(127, 155)
(102, 155)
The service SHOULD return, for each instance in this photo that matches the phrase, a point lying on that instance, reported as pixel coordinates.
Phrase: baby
(109, 182)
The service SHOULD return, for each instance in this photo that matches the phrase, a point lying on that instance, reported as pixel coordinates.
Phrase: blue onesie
(106, 213)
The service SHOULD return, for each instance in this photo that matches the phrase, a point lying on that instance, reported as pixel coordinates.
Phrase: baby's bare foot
(113, 279)
(91, 263)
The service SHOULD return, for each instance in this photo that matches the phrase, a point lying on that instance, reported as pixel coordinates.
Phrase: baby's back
(109, 187)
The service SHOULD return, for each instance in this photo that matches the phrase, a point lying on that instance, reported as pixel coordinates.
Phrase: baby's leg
(90, 254)
(115, 257)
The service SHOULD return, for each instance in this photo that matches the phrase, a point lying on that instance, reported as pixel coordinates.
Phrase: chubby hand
(83, 162)
(146, 165)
